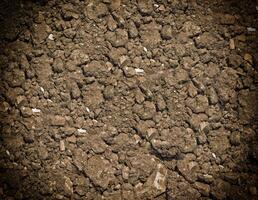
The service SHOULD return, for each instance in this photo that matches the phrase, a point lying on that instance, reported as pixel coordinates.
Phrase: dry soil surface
(117, 99)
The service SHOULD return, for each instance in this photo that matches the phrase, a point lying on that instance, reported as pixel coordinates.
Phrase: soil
(141, 99)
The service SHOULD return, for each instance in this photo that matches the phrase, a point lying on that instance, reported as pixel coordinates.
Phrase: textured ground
(117, 99)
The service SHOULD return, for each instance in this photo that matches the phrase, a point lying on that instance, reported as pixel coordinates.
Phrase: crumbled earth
(125, 100)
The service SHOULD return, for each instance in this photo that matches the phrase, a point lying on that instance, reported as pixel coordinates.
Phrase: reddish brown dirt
(116, 99)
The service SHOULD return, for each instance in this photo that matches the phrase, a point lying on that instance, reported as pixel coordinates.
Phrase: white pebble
(7, 152)
(51, 37)
(251, 29)
(42, 89)
(35, 110)
(145, 49)
(139, 71)
(80, 130)
(87, 109)
(214, 156)
(62, 145)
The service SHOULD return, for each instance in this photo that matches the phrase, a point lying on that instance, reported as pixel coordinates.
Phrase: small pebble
(214, 155)
(139, 71)
(51, 37)
(232, 44)
(62, 145)
(251, 29)
(7, 152)
(35, 110)
(80, 130)
(42, 89)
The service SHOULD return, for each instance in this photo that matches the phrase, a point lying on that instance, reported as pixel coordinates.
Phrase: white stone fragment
(42, 89)
(35, 110)
(139, 71)
(87, 109)
(145, 49)
(214, 155)
(51, 37)
(251, 29)
(62, 145)
(7, 152)
(80, 130)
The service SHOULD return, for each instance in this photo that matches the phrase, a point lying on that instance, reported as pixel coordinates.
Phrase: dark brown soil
(117, 99)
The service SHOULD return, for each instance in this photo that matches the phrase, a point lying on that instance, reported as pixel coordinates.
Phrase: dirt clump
(141, 99)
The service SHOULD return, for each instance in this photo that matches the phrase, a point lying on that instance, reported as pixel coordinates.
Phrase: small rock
(75, 91)
(192, 90)
(212, 95)
(101, 10)
(26, 112)
(155, 184)
(150, 35)
(129, 72)
(68, 12)
(58, 65)
(57, 120)
(206, 40)
(191, 29)
(161, 104)
(28, 139)
(235, 60)
(251, 29)
(219, 141)
(166, 32)
(248, 57)
(115, 4)
(62, 145)
(132, 30)
(235, 138)
(188, 167)
(232, 44)
(123, 61)
(139, 71)
(203, 188)
(4, 106)
(35, 110)
(80, 130)
(220, 189)
(181, 76)
(93, 101)
(40, 32)
(111, 23)
(15, 78)
(149, 110)
(198, 104)
(79, 57)
(227, 19)
(42, 152)
(145, 6)
(109, 92)
(118, 38)
(51, 37)
(71, 139)
(98, 167)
